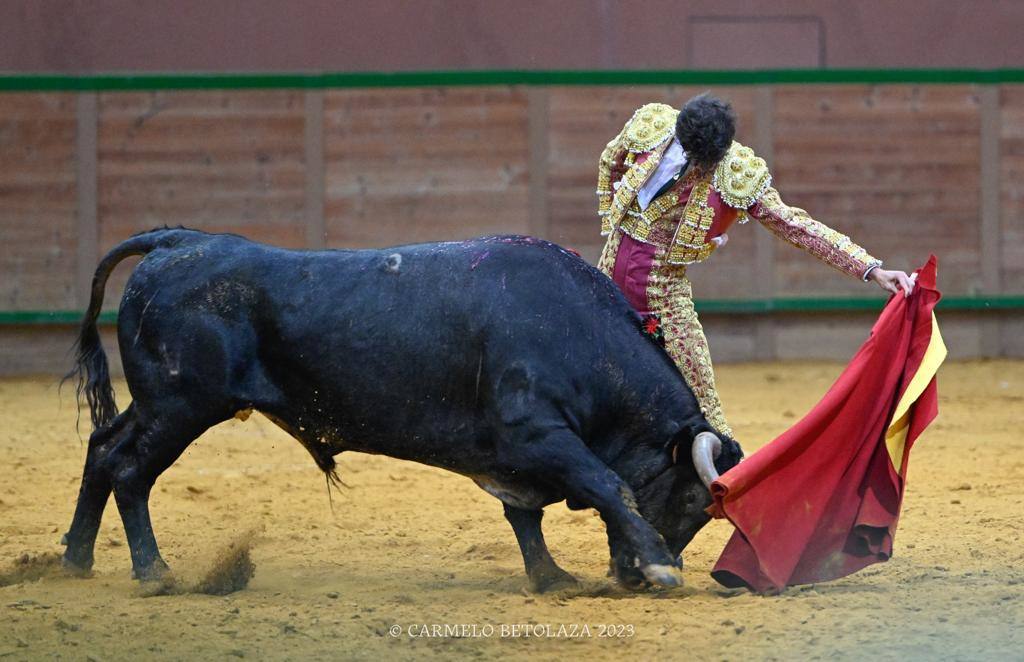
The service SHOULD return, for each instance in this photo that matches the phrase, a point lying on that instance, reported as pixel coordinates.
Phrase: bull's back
(413, 339)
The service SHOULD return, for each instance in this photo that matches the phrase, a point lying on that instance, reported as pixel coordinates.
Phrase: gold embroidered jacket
(702, 206)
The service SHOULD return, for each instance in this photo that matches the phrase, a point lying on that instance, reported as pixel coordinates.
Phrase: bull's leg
(638, 550)
(92, 497)
(542, 570)
(134, 465)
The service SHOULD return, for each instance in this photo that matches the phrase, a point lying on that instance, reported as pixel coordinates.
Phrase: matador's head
(705, 128)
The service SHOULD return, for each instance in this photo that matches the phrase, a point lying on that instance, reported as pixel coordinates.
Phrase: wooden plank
(217, 161)
(38, 261)
(1011, 158)
(988, 230)
(416, 165)
(539, 110)
(731, 338)
(838, 336)
(316, 231)
(764, 251)
(897, 168)
(87, 255)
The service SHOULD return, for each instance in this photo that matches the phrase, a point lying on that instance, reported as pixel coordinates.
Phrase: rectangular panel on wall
(410, 165)
(895, 167)
(583, 120)
(37, 201)
(216, 161)
(1011, 149)
(727, 42)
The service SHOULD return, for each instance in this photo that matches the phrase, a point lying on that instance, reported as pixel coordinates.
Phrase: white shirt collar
(671, 162)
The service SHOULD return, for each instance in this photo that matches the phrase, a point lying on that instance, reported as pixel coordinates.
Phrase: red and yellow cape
(823, 499)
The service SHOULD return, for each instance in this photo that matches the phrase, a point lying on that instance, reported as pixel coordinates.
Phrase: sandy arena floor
(410, 546)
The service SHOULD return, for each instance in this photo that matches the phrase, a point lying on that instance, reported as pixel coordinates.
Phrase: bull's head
(674, 502)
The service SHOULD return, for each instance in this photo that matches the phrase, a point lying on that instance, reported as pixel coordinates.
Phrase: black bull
(505, 359)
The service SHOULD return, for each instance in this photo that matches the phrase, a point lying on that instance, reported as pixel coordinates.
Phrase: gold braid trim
(606, 263)
(641, 224)
(688, 245)
(670, 296)
(798, 228)
(604, 188)
(624, 198)
(690, 223)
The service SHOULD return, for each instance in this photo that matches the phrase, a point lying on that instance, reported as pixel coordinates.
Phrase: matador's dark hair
(705, 128)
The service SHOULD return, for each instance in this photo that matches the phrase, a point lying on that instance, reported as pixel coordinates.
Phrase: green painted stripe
(849, 304)
(50, 317)
(1008, 302)
(204, 81)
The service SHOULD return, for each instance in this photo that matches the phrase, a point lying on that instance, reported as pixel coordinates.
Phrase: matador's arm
(609, 168)
(744, 183)
(798, 228)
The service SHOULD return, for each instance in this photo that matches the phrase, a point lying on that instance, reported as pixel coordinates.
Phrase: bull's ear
(676, 435)
(679, 446)
(682, 442)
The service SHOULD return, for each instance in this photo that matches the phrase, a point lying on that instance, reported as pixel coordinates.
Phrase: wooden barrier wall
(906, 170)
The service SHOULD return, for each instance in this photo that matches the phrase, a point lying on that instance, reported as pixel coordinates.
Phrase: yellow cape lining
(896, 433)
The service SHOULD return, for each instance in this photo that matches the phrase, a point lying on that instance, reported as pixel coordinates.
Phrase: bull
(508, 360)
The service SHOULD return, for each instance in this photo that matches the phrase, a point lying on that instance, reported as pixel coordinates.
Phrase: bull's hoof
(551, 580)
(165, 584)
(76, 568)
(663, 575)
(628, 577)
(154, 572)
(76, 561)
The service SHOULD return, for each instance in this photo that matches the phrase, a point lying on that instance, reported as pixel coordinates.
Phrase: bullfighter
(670, 186)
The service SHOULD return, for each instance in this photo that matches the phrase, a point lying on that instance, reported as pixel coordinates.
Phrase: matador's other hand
(893, 281)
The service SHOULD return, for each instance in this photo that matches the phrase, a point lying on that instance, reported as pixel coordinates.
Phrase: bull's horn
(706, 448)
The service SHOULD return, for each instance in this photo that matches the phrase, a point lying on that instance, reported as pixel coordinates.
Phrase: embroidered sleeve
(611, 156)
(797, 227)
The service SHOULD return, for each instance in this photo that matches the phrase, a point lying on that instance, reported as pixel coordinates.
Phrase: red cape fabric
(822, 500)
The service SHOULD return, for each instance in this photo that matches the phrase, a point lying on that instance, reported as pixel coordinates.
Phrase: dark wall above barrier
(387, 35)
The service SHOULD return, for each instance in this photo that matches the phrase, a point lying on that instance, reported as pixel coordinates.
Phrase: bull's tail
(91, 368)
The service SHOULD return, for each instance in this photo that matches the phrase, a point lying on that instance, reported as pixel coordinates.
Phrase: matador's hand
(893, 281)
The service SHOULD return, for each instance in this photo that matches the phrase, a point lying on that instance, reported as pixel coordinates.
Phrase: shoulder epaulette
(650, 126)
(741, 177)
